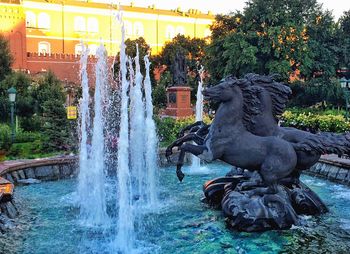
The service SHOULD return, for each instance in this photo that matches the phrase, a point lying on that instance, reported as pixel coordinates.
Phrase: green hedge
(168, 128)
(315, 122)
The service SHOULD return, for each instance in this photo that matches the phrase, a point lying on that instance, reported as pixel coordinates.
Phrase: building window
(30, 19)
(92, 49)
(44, 21)
(44, 48)
(138, 29)
(92, 25)
(180, 30)
(78, 49)
(128, 28)
(79, 24)
(170, 32)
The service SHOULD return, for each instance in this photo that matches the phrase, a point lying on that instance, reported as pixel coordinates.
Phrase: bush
(5, 137)
(314, 123)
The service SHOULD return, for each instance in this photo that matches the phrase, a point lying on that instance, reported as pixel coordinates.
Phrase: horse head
(224, 91)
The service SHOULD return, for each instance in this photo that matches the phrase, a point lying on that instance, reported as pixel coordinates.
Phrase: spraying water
(137, 137)
(91, 175)
(151, 141)
(196, 162)
(125, 219)
(83, 188)
(136, 177)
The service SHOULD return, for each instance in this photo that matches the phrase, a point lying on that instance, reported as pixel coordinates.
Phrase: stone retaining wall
(43, 169)
(332, 168)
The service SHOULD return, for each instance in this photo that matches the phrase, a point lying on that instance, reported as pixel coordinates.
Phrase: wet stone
(318, 167)
(9, 178)
(21, 174)
(11, 210)
(15, 176)
(313, 169)
(333, 170)
(44, 172)
(324, 170)
(29, 173)
(65, 171)
(342, 173)
(56, 170)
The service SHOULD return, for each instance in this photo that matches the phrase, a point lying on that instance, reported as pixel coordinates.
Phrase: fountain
(91, 187)
(137, 180)
(136, 171)
(195, 161)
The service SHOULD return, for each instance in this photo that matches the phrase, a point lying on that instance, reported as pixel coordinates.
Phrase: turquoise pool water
(49, 222)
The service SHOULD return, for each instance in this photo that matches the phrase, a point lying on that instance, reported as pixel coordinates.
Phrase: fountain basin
(49, 222)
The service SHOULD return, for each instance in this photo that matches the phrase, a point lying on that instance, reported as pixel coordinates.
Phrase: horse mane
(254, 84)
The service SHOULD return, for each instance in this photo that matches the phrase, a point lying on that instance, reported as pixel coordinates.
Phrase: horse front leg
(194, 149)
(189, 137)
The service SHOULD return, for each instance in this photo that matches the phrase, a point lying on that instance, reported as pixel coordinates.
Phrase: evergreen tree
(6, 58)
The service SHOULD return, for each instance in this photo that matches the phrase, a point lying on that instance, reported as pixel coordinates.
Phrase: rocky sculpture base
(250, 206)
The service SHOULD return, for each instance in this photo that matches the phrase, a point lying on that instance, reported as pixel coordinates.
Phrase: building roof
(193, 13)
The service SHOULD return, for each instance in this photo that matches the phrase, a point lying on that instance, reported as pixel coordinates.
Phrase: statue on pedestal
(179, 69)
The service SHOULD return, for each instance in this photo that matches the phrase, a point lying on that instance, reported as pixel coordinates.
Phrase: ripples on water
(48, 222)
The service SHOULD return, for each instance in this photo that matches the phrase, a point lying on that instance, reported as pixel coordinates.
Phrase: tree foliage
(192, 48)
(274, 36)
(24, 100)
(322, 92)
(50, 98)
(130, 50)
(344, 40)
(6, 58)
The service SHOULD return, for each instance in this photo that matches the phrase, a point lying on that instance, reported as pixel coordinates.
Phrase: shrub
(314, 122)
(5, 137)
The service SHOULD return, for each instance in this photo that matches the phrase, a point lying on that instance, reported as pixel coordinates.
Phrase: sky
(225, 6)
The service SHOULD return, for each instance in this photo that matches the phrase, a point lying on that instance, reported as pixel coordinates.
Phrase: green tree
(320, 91)
(46, 88)
(344, 40)
(6, 58)
(144, 49)
(322, 46)
(192, 48)
(50, 98)
(273, 36)
(55, 126)
(24, 99)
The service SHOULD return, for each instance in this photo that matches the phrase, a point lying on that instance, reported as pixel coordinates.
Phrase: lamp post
(12, 97)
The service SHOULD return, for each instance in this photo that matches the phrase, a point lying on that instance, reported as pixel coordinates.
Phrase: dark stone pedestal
(179, 102)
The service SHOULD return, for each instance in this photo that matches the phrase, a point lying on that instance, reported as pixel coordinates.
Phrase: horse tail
(325, 143)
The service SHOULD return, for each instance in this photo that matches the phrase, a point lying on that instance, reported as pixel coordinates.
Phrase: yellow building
(58, 26)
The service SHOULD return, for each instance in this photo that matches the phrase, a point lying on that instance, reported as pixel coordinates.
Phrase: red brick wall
(65, 67)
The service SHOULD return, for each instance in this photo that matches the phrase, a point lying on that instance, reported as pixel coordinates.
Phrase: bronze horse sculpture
(245, 134)
(229, 140)
(269, 102)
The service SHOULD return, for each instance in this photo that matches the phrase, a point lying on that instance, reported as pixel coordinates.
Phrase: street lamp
(12, 97)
